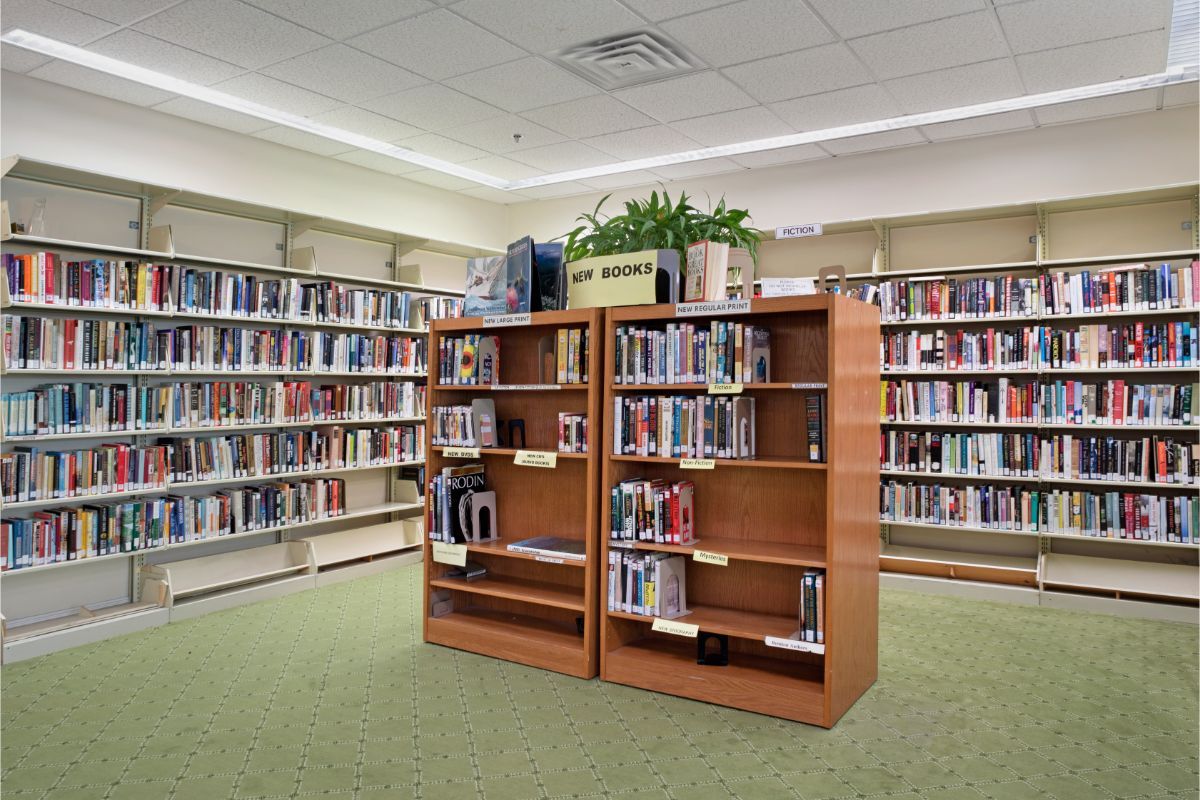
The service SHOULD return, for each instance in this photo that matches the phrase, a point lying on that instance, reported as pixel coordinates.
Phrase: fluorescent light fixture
(1182, 69)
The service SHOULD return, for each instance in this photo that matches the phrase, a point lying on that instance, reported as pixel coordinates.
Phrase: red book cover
(1139, 343)
(1160, 456)
(1130, 527)
(1118, 403)
(935, 299)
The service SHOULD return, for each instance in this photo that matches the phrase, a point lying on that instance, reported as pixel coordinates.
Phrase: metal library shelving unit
(761, 523)
(533, 609)
(95, 216)
(1036, 240)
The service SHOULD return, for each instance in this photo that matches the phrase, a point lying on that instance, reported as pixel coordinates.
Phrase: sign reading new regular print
(628, 279)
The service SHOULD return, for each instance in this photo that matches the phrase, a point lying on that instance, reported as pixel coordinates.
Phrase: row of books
(440, 308)
(572, 433)
(653, 511)
(70, 344)
(166, 288)
(684, 427)
(1135, 287)
(812, 606)
(1167, 344)
(469, 360)
(471, 425)
(66, 408)
(72, 534)
(458, 506)
(32, 474)
(1110, 515)
(1151, 459)
(720, 352)
(648, 584)
(1115, 402)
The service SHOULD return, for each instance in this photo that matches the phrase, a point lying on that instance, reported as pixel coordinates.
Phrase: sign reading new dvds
(460, 452)
(622, 280)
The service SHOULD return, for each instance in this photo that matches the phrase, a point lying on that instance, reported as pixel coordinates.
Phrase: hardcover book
(486, 286)
(551, 277)
(519, 271)
(463, 482)
(488, 357)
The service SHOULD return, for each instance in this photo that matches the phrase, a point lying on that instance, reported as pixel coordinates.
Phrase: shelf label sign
(548, 559)
(675, 628)
(697, 463)
(810, 385)
(704, 308)
(705, 557)
(725, 388)
(519, 387)
(787, 287)
(793, 644)
(799, 231)
(507, 320)
(460, 452)
(453, 554)
(536, 458)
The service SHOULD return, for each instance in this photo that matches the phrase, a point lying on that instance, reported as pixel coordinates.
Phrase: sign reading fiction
(798, 231)
(506, 320)
(677, 628)
(605, 281)
(725, 388)
(536, 458)
(460, 452)
(453, 554)
(703, 308)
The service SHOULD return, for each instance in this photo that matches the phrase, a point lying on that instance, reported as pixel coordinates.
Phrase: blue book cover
(519, 276)
(551, 277)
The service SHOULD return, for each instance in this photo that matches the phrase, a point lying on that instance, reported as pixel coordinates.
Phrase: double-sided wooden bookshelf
(533, 610)
(772, 517)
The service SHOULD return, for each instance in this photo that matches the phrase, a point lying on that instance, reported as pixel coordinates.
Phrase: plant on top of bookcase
(658, 224)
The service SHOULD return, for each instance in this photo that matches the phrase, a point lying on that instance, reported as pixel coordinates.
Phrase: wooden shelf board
(512, 451)
(536, 632)
(762, 462)
(516, 387)
(526, 591)
(500, 548)
(728, 621)
(1178, 581)
(521, 638)
(703, 387)
(955, 558)
(748, 550)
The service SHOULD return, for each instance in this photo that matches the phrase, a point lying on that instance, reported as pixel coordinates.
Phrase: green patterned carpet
(330, 694)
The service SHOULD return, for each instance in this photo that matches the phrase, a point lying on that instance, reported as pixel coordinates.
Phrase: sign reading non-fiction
(697, 463)
(798, 231)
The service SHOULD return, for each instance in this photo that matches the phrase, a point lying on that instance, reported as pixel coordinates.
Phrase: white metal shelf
(248, 373)
(1069, 426)
(1003, 372)
(1177, 581)
(1131, 258)
(958, 476)
(930, 424)
(207, 429)
(1105, 484)
(1070, 536)
(1098, 316)
(951, 558)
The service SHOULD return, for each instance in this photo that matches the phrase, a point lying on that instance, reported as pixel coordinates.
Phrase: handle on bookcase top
(837, 271)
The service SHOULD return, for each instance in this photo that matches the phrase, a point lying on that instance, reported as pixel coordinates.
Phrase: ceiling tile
(231, 31)
(642, 143)
(344, 18)
(441, 180)
(591, 116)
(495, 135)
(432, 107)
(782, 155)
(1094, 62)
(357, 120)
(494, 195)
(501, 167)
(86, 80)
(1133, 102)
(639, 177)
(557, 190)
(522, 85)
(562, 156)
(379, 162)
(873, 141)
(733, 126)
(819, 69)
(1044, 24)
(55, 21)
(949, 42)
(832, 109)
(16, 59)
(657, 10)
(345, 73)
(957, 86)
(996, 123)
(693, 169)
(748, 30)
(689, 96)
(277, 94)
(1181, 94)
(431, 144)
(437, 45)
(146, 51)
(851, 18)
(219, 117)
(542, 26)
(122, 12)
(303, 141)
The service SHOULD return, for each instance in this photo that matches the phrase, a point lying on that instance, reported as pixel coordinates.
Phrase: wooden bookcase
(529, 610)
(772, 517)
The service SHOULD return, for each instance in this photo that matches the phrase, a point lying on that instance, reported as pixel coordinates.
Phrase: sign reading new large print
(629, 279)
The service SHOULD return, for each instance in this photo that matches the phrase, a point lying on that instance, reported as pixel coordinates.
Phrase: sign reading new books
(629, 279)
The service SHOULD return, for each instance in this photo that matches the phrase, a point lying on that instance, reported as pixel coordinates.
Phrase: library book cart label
(725, 388)
(793, 644)
(506, 320)
(705, 557)
(702, 309)
(453, 554)
(675, 628)
(536, 458)
(697, 463)
(460, 452)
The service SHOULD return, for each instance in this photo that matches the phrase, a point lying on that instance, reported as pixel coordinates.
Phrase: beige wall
(1109, 155)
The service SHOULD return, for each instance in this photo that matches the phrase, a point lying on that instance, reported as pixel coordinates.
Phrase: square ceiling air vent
(628, 59)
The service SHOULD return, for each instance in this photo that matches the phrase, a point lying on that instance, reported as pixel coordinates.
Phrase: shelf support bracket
(157, 202)
(883, 233)
(135, 574)
(302, 226)
(404, 248)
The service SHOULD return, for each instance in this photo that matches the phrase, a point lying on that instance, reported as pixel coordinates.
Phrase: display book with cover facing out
(529, 277)
(460, 507)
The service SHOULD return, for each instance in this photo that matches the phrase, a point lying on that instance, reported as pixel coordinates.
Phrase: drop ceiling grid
(481, 72)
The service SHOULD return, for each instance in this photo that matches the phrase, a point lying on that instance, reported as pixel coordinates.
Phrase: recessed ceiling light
(1182, 69)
